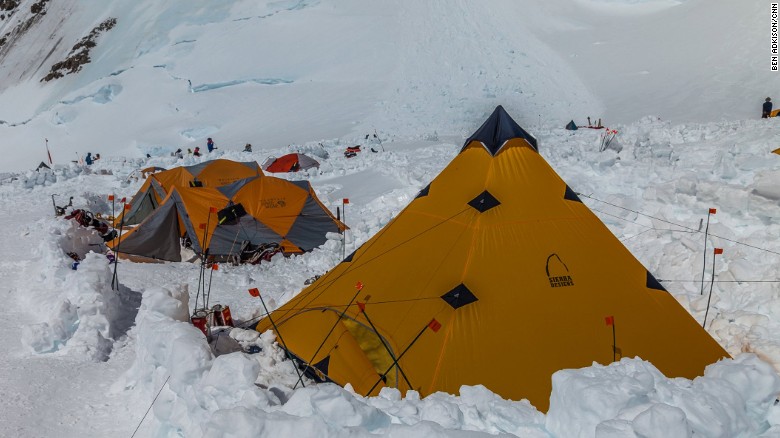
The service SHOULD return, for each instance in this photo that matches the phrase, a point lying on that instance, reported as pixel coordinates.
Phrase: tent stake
(704, 262)
(712, 283)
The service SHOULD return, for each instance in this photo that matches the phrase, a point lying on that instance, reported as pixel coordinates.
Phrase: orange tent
(220, 221)
(214, 173)
(290, 163)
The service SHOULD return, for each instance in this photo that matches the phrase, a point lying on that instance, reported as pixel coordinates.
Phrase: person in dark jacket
(88, 159)
(210, 144)
(767, 108)
(196, 152)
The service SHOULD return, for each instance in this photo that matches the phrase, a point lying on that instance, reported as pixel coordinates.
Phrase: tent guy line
(692, 230)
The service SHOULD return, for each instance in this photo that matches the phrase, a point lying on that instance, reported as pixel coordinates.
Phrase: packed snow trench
(101, 349)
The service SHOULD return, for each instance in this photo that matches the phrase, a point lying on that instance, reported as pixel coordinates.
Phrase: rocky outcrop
(79, 54)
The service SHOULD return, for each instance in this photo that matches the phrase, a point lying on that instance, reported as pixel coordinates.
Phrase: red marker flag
(359, 285)
(713, 211)
(202, 226)
(345, 200)
(212, 209)
(361, 306)
(255, 292)
(718, 250)
(127, 206)
(215, 267)
(123, 200)
(434, 325)
(610, 320)
(110, 197)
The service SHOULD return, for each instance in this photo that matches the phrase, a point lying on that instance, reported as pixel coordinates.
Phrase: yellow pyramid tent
(495, 274)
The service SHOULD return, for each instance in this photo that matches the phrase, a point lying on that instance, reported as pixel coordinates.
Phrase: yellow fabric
(521, 329)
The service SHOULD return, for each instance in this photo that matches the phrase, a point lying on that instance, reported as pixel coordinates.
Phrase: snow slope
(275, 73)
(318, 75)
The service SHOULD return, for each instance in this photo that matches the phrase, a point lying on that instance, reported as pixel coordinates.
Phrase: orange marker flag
(610, 320)
(202, 226)
(255, 292)
(713, 211)
(718, 251)
(110, 197)
(215, 267)
(212, 209)
(361, 306)
(127, 206)
(359, 285)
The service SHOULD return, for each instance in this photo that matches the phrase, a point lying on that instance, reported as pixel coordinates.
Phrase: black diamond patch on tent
(484, 202)
(652, 283)
(571, 195)
(423, 192)
(459, 297)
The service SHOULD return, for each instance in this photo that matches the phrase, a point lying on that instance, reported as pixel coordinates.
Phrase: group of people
(210, 146)
(89, 159)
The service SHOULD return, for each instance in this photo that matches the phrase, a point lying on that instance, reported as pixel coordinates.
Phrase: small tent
(290, 163)
(774, 113)
(495, 274)
(214, 173)
(255, 210)
(571, 126)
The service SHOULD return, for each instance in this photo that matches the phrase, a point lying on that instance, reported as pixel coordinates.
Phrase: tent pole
(114, 279)
(284, 345)
(359, 288)
(362, 307)
(203, 256)
(395, 360)
(614, 341)
(207, 296)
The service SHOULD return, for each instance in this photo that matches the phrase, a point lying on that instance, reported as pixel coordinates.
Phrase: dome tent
(159, 183)
(256, 210)
(290, 163)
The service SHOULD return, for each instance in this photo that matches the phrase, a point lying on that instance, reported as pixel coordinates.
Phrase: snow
(680, 81)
